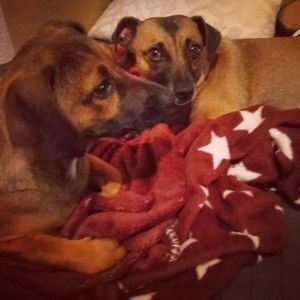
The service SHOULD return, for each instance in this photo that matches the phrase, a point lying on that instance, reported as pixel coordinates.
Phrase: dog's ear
(122, 39)
(212, 36)
(125, 31)
(34, 119)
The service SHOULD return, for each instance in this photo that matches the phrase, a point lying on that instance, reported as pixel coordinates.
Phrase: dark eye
(155, 54)
(194, 50)
(104, 89)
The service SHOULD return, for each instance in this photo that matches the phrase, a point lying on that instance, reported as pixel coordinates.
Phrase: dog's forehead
(83, 47)
(59, 49)
(170, 24)
(176, 27)
(78, 55)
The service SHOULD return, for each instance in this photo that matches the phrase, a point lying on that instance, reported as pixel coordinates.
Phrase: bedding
(289, 18)
(196, 206)
(234, 19)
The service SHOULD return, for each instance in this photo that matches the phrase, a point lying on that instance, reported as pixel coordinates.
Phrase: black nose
(184, 97)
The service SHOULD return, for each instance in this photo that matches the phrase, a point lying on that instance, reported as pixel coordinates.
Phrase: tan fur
(61, 92)
(227, 75)
(250, 72)
(38, 193)
(84, 255)
(151, 33)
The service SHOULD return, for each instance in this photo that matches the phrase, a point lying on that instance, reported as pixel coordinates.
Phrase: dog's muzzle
(183, 98)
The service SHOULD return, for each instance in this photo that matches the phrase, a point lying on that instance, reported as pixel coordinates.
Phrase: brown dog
(189, 56)
(60, 92)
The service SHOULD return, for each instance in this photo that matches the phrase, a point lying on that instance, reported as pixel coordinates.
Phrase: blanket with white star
(195, 207)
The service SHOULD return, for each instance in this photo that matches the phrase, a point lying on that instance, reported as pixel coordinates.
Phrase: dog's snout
(183, 86)
(184, 97)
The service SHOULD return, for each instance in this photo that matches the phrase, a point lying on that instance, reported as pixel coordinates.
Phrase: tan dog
(220, 75)
(60, 92)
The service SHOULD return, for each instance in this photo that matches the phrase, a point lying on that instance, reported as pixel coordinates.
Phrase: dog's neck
(32, 158)
(22, 170)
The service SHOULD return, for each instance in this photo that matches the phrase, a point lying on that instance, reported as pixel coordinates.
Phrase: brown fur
(227, 75)
(60, 92)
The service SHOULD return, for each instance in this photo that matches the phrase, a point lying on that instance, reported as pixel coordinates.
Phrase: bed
(273, 278)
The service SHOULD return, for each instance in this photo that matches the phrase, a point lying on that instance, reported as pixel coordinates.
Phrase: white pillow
(233, 18)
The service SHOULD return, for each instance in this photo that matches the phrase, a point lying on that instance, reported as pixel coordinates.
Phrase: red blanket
(195, 207)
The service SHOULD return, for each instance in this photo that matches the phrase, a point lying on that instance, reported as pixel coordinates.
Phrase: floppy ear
(122, 39)
(34, 120)
(125, 31)
(212, 36)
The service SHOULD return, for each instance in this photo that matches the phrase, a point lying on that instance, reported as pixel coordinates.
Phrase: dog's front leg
(85, 255)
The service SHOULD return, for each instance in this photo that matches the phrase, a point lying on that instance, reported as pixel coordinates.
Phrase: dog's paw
(85, 255)
(104, 176)
(100, 254)
(110, 189)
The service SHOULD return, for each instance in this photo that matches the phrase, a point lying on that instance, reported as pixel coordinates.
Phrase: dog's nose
(184, 97)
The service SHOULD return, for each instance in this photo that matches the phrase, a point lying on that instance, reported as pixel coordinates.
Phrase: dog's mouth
(182, 101)
(185, 97)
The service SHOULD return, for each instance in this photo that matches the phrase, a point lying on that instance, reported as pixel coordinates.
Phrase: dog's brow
(103, 71)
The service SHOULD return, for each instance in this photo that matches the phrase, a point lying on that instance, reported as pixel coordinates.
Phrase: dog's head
(63, 89)
(175, 51)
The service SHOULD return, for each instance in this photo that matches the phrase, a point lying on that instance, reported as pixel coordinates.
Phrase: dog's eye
(104, 89)
(155, 54)
(194, 50)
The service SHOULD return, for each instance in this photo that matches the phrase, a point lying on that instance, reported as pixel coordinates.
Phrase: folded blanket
(195, 207)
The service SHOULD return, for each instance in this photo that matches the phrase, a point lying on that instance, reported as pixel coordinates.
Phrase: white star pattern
(242, 173)
(254, 238)
(226, 193)
(259, 258)
(121, 287)
(205, 203)
(205, 190)
(202, 268)
(143, 297)
(187, 243)
(218, 148)
(283, 142)
(279, 208)
(248, 193)
(297, 201)
(251, 120)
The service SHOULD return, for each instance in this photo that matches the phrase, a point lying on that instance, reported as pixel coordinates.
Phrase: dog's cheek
(143, 67)
(202, 67)
(158, 74)
(161, 77)
(150, 71)
(86, 116)
(109, 107)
